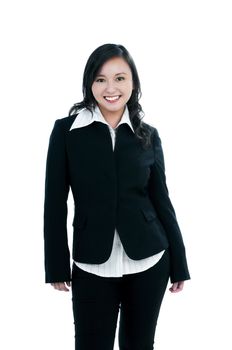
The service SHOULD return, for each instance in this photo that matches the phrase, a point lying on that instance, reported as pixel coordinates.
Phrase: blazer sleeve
(159, 194)
(56, 250)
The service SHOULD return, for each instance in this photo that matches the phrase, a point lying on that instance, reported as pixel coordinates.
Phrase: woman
(126, 239)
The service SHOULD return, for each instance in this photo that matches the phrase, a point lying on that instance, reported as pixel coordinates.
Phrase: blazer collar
(85, 118)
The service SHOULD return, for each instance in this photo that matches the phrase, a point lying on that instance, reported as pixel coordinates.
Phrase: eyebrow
(102, 75)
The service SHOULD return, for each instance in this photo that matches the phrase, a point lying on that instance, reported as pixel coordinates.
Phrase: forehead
(114, 65)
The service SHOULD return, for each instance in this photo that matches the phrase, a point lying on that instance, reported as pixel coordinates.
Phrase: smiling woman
(110, 72)
(126, 239)
(112, 89)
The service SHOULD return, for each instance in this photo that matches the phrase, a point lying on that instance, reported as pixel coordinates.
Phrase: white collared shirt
(119, 263)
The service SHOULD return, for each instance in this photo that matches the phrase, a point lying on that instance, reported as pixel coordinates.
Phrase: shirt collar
(85, 118)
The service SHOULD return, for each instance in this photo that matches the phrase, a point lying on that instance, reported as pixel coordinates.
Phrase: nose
(110, 88)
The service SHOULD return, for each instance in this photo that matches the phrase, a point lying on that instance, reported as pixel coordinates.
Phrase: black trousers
(97, 300)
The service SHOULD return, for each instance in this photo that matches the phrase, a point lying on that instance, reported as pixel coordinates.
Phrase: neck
(112, 118)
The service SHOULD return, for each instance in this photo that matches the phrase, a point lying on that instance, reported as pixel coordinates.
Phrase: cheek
(128, 88)
(97, 90)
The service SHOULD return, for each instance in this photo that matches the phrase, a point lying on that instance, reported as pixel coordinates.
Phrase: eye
(100, 80)
(121, 78)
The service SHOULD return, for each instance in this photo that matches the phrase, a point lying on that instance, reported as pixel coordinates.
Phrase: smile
(112, 98)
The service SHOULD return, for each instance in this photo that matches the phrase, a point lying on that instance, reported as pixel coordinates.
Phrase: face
(113, 85)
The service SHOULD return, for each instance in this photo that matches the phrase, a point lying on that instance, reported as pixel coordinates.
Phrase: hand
(61, 286)
(177, 287)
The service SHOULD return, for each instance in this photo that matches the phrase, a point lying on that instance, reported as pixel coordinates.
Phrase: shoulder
(152, 129)
(65, 122)
(154, 136)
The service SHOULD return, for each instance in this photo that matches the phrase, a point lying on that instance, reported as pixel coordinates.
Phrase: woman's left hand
(177, 287)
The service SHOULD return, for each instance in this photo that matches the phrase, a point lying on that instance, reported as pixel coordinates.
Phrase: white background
(182, 50)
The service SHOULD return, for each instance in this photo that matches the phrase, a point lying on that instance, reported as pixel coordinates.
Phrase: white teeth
(112, 98)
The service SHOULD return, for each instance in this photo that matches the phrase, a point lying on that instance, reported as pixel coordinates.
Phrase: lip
(113, 101)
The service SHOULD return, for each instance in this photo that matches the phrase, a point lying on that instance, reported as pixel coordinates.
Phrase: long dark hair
(98, 57)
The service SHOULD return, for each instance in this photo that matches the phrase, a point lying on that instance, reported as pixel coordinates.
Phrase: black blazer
(123, 188)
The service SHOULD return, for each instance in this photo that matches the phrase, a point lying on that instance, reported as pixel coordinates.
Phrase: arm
(159, 195)
(56, 250)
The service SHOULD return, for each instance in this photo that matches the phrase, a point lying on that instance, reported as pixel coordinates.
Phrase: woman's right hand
(61, 286)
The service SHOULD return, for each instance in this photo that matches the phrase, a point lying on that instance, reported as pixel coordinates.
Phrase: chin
(113, 107)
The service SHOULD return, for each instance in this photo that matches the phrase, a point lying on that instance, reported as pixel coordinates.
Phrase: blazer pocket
(149, 214)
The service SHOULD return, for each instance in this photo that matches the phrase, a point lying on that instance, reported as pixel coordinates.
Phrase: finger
(173, 287)
(177, 287)
(63, 287)
(58, 285)
(181, 285)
